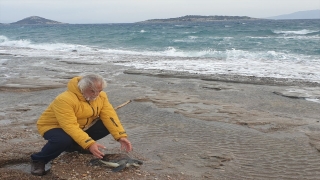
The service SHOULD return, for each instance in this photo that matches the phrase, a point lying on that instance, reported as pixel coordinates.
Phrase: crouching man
(64, 124)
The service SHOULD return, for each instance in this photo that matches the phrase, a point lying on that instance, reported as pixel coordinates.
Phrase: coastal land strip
(181, 127)
(36, 20)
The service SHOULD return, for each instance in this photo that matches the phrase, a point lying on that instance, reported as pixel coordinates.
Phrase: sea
(256, 48)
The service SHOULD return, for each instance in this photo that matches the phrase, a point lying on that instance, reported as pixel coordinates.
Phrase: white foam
(313, 100)
(3, 61)
(210, 61)
(299, 32)
(237, 63)
(5, 42)
(296, 37)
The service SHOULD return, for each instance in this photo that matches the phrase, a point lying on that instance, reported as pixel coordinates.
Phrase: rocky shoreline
(224, 78)
(181, 126)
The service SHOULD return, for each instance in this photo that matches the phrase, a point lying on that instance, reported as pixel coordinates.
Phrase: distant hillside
(312, 14)
(36, 20)
(196, 18)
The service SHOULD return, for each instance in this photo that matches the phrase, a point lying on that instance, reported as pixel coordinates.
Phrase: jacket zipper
(92, 112)
(113, 121)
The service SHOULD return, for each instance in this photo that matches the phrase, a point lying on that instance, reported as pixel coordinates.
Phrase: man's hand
(94, 149)
(125, 144)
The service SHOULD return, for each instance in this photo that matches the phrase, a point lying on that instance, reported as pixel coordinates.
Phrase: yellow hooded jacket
(71, 112)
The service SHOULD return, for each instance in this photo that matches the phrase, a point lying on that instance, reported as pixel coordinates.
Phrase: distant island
(36, 20)
(311, 14)
(198, 18)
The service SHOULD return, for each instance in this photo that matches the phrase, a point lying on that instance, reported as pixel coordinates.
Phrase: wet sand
(181, 126)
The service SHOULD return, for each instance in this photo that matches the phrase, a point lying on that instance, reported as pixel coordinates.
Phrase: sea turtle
(116, 161)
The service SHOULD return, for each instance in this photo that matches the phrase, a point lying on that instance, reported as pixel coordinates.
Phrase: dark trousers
(59, 141)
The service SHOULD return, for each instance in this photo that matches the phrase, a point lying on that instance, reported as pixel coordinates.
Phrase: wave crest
(298, 32)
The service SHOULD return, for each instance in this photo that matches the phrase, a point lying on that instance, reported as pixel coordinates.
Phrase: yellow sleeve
(111, 120)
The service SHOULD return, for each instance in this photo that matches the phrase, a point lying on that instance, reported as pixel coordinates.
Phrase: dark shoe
(38, 168)
(79, 149)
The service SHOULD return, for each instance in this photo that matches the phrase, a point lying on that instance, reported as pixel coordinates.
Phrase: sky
(129, 11)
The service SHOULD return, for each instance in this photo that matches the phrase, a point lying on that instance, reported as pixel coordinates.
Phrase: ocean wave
(234, 61)
(311, 36)
(233, 65)
(228, 55)
(4, 41)
(25, 43)
(170, 51)
(298, 32)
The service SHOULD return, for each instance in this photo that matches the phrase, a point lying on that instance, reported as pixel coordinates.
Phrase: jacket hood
(73, 87)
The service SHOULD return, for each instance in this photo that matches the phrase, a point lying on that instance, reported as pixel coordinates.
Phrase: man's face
(91, 93)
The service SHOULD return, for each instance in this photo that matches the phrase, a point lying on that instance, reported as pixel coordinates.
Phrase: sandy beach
(182, 126)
